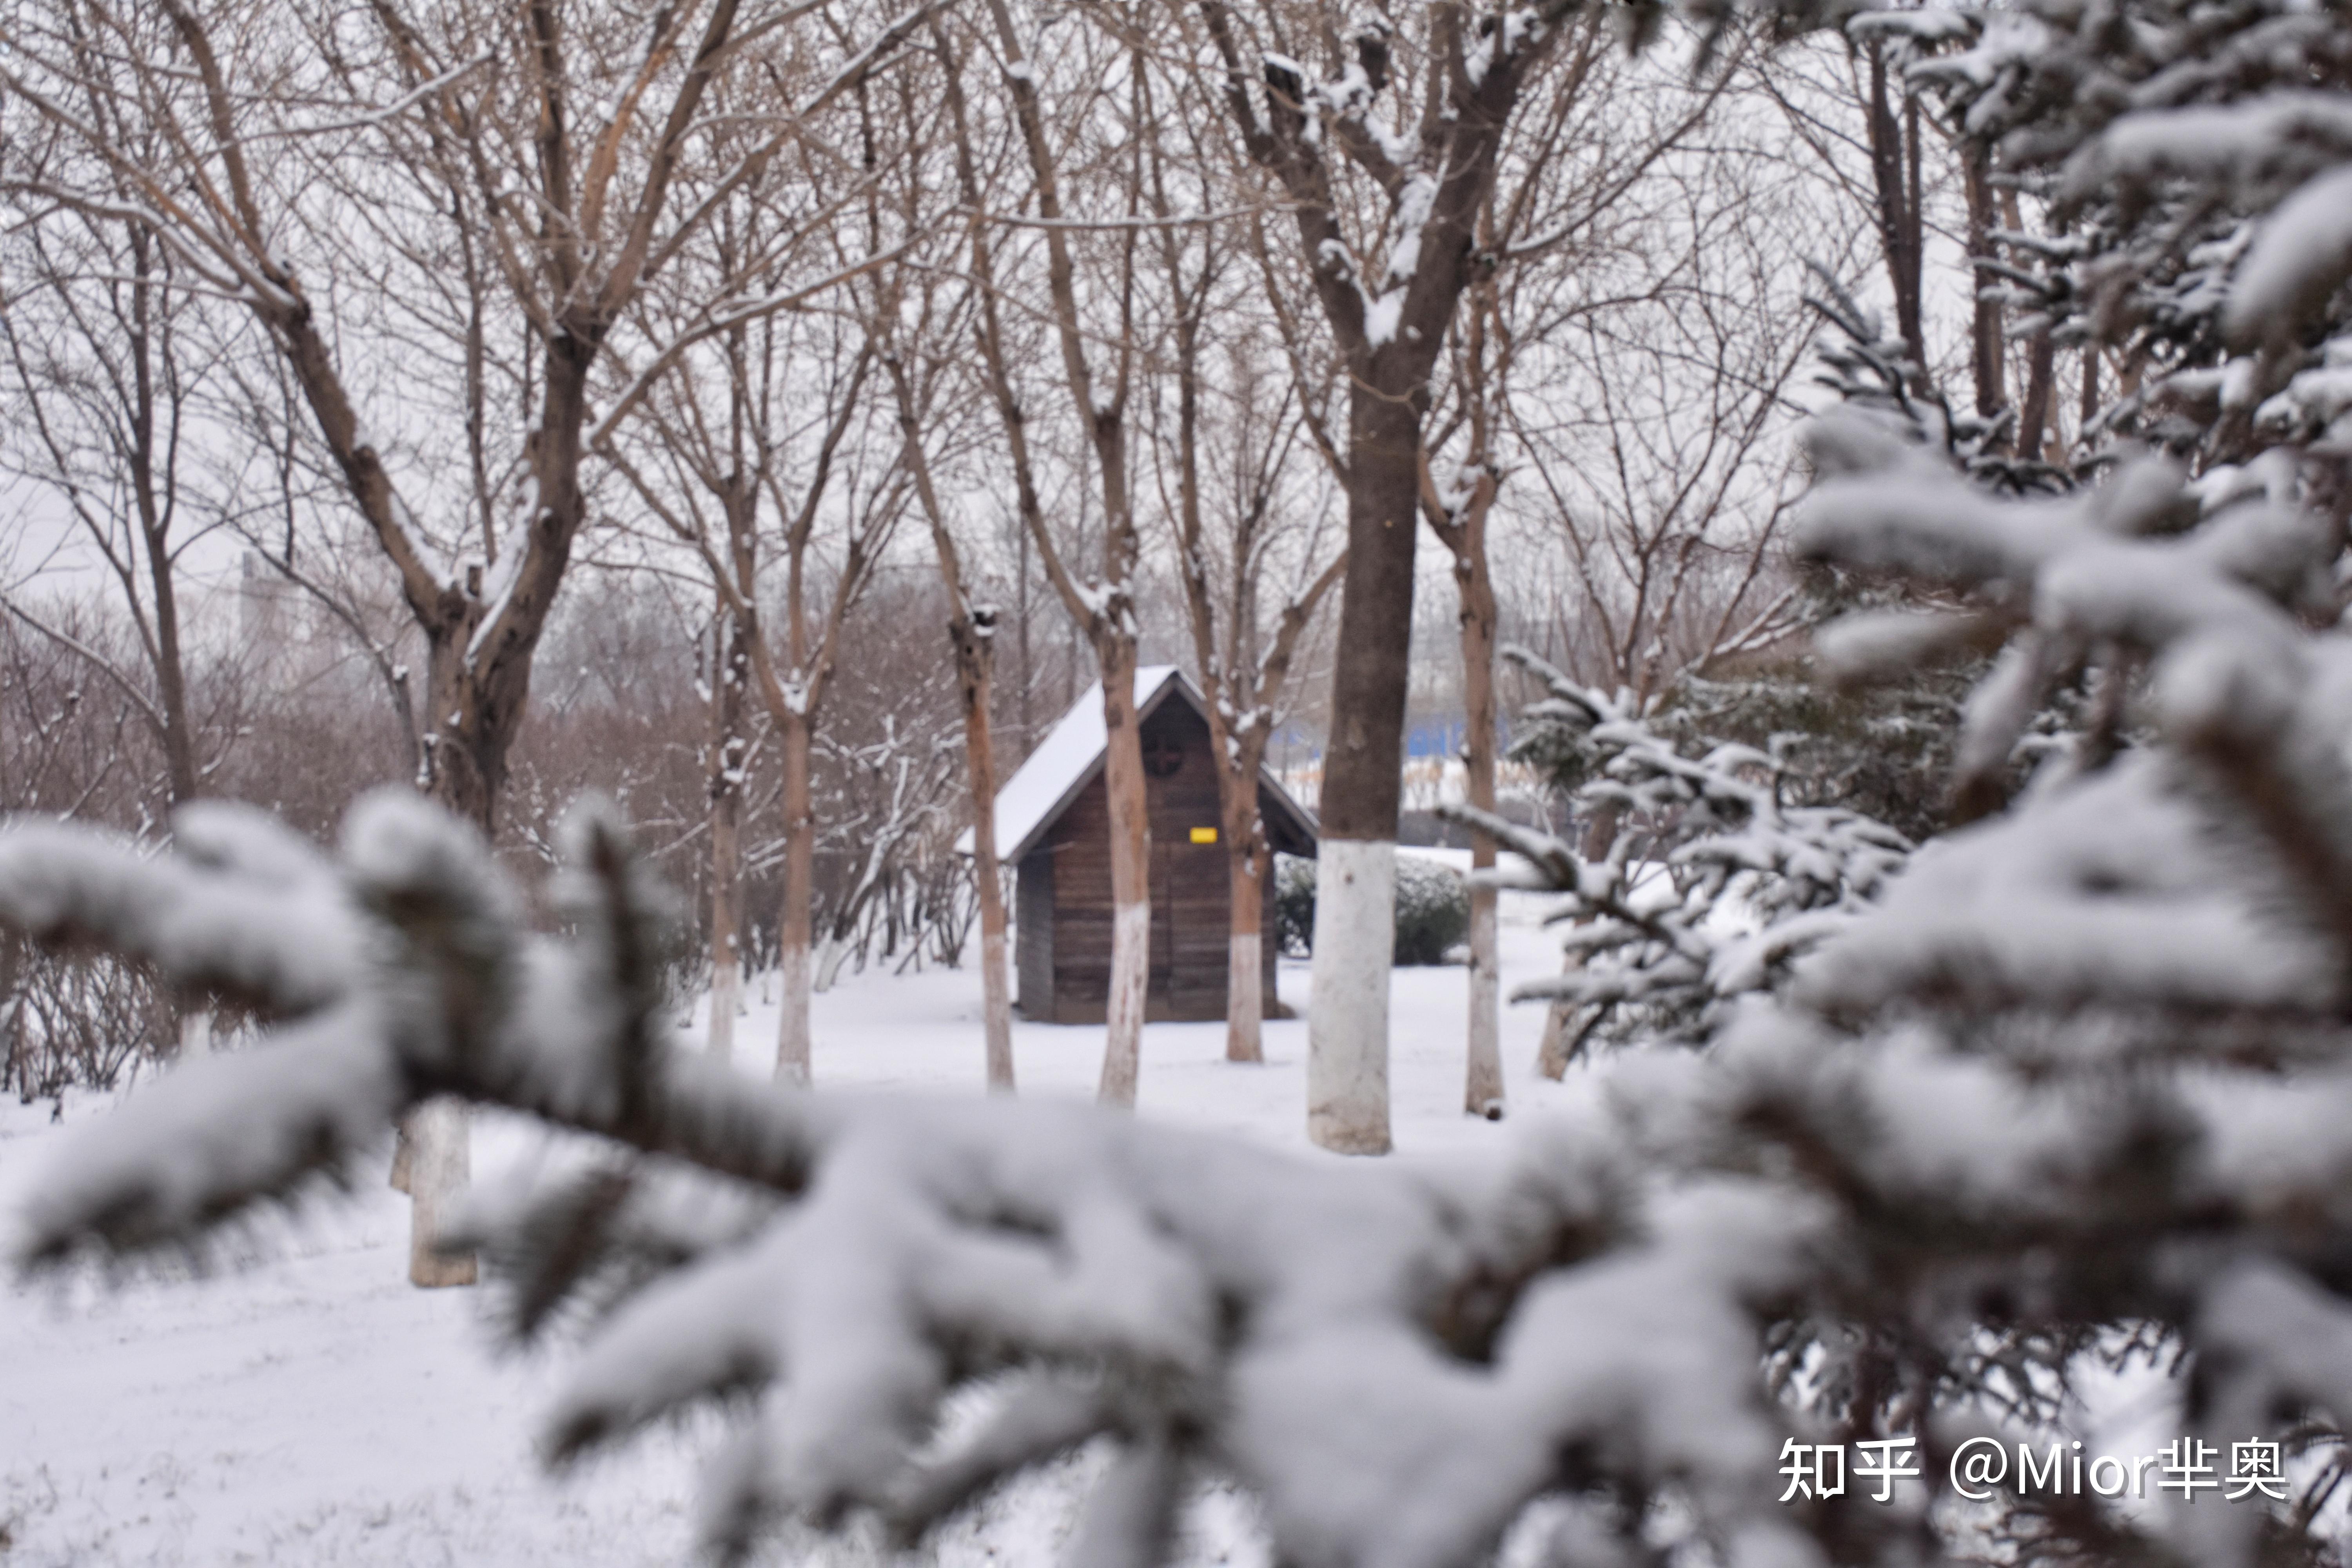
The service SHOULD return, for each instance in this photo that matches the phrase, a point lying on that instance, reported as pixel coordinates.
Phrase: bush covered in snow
(1432, 908)
(1294, 904)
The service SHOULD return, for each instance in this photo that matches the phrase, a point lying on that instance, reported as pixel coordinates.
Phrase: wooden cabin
(1053, 823)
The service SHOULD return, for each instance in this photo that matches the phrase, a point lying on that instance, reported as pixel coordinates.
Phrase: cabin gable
(1063, 907)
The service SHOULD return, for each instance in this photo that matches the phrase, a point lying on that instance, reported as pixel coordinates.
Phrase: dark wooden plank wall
(1033, 932)
(1079, 849)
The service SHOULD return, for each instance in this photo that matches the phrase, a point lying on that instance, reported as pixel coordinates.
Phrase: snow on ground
(309, 1408)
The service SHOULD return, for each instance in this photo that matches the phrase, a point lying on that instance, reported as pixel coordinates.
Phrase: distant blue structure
(1440, 738)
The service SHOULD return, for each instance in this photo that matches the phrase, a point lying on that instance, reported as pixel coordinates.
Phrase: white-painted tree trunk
(1244, 998)
(195, 1033)
(1246, 869)
(1483, 1094)
(726, 1001)
(996, 998)
(1131, 982)
(1348, 1025)
(793, 926)
(440, 1166)
(792, 1020)
(1129, 797)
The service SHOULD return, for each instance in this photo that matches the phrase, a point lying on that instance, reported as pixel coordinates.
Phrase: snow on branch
(1704, 886)
(1396, 1358)
(1881, 387)
(1200, 1304)
(2113, 891)
(243, 909)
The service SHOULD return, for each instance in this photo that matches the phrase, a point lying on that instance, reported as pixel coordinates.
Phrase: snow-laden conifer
(1696, 884)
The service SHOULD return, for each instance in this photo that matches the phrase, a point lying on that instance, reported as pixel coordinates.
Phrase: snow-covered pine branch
(2194, 165)
(1870, 369)
(2206, 589)
(1396, 1357)
(1702, 886)
(1200, 1304)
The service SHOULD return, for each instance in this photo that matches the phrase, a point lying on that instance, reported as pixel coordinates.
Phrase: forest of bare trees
(771, 418)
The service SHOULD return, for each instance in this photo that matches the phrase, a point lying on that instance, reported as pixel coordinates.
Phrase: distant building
(1053, 823)
(267, 604)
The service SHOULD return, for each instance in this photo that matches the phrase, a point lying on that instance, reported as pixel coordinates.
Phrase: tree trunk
(152, 333)
(170, 677)
(1248, 861)
(1552, 1056)
(1348, 1027)
(2034, 423)
(1895, 173)
(794, 929)
(1355, 903)
(973, 649)
(730, 671)
(440, 1166)
(1481, 1092)
(432, 1161)
(1551, 1051)
(1131, 874)
(463, 762)
(475, 698)
(726, 956)
(156, 505)
(1985, 336)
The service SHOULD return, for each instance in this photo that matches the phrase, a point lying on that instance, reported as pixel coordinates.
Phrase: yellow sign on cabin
(1204, 835)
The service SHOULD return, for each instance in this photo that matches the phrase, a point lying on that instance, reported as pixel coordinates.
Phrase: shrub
(1432, 908)
(1294, 905)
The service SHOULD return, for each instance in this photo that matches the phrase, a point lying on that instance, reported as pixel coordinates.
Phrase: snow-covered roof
(1066, 762)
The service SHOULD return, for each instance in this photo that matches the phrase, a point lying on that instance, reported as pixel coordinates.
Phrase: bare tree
(110, 361)
(1652, 427)
(972, 632)
(1577, 232)
(756, 424)
(1892, 151)
(106, 395)
(1243, 524)
(921, 328)
(1103, 607)
(442, 175)
(1387, 220)
(972, 629)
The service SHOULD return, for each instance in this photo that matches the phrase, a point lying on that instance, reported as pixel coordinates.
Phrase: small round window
(1163, 755)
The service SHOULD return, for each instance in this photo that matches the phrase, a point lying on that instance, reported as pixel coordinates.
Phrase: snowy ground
(309, 1408)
